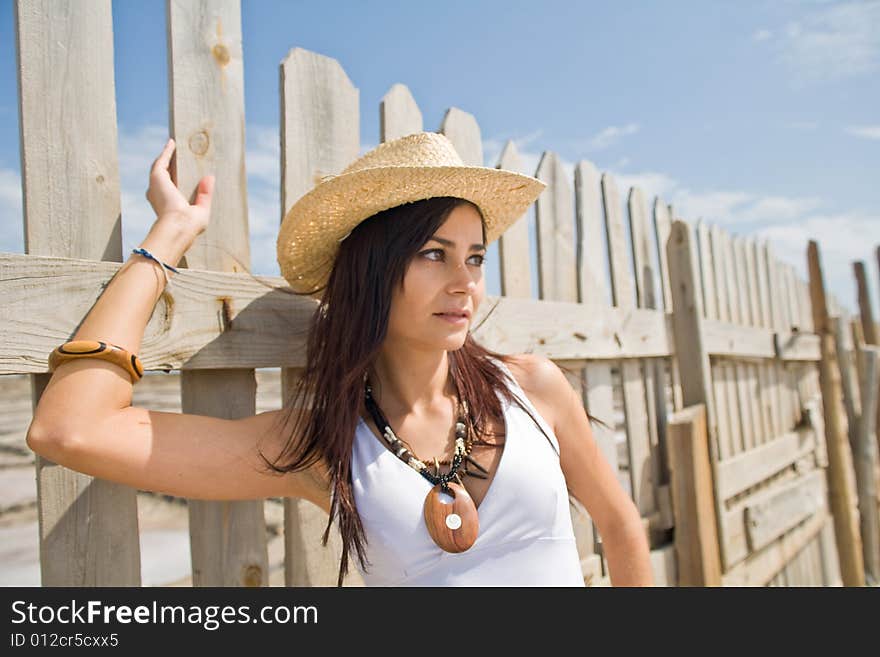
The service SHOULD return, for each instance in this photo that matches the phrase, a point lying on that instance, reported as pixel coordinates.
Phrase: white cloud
(831, 42)
(776, 209)
(762, 35)
(864, 131)
(610, 135)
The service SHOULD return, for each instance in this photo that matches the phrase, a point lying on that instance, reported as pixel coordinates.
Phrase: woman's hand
(167, 200)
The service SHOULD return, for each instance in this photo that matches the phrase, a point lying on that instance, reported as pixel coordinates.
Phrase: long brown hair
(345, 335)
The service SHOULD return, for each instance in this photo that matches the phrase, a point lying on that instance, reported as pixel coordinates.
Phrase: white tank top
(525, 538)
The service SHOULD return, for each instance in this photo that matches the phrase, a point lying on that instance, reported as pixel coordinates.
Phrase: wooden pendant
(453, 526)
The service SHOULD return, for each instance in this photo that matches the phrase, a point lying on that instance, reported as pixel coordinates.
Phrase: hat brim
(310, 233)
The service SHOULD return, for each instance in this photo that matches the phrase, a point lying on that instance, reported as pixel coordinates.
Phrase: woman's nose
(462, 277)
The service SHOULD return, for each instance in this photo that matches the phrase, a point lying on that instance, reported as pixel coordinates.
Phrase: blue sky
(761, 116)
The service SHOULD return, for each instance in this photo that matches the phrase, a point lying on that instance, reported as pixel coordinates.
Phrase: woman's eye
(482, 258)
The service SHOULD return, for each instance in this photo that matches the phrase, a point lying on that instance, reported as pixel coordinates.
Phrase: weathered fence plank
(315, 142)
(653, 370)
(774, 322)
(782, 508)
(70, 183)
(558, 266)
(870, 329)
(46, 298)
(514, 249)
(721, 369)
(704, 239)
(840, 466)
(399, 114)
(866, 462)
(227, 538)
(739, 370)
(463, 131)
(693, 359)
(759, 568)
(747, 469)
(693, 498)
(758, 284)
(634, 404)
(594, 292)
(661, 235)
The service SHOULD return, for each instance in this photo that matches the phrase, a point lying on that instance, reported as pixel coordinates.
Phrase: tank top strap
(515, 387)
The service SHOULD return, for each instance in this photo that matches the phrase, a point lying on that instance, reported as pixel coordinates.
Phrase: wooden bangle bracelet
(97, 349)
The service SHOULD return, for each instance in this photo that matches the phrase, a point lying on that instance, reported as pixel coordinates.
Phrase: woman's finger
(206, 191)
(161, 162)
(172, 167)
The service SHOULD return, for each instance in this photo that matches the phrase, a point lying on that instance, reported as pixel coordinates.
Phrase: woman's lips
(452, 319)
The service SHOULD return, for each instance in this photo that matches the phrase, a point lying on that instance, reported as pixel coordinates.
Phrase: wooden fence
(721, 377)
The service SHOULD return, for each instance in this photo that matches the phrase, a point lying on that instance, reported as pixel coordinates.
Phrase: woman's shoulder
(533, 372)
(540, 378)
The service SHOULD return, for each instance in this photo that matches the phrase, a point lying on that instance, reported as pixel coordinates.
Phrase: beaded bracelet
(149, 255)
(97, 349)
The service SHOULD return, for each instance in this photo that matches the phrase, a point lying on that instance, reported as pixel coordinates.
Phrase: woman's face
(445, 275)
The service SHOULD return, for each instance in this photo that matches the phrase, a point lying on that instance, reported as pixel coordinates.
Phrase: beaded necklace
(453, 527)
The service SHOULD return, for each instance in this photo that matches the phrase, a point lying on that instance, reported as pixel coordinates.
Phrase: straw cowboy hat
(419, 166)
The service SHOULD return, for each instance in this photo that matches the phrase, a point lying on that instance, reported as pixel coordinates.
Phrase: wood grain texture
(750, 468)
(554, 223)
(772, 321)
(320, 135)
(636, 418)
(227, 538)
(399, 114)
(758, 283)
(661, 236)
(653, 370)
(558, 266)
(759, 568)
(705, 238)
(514, 247)
(870, 329)
(725, 369)
(463, 131)
(749, 374)
(693, 360)
(783, 508)
(744, 437)
(70, 170)
(840, 466)
(594, 291)
(693, 499)
(867, 464)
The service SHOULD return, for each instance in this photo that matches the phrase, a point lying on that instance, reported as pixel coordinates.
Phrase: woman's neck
(406, 381)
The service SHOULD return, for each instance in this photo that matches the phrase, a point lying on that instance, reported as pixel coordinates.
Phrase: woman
(404, 440)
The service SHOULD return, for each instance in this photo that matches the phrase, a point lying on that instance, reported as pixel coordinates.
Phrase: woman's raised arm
(84, 419)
